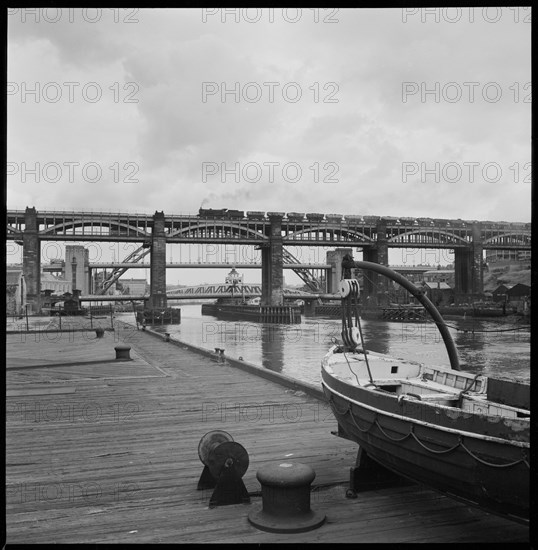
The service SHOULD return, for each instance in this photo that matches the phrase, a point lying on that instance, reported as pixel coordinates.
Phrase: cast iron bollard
(218, 356)
(286, 499)
(123, 352)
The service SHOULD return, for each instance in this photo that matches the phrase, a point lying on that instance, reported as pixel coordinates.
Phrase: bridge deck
(314, 229)
(107, 452)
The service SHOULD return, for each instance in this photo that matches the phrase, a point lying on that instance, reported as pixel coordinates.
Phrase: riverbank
(99, 451)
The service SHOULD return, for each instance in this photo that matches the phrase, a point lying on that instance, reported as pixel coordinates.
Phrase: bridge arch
(515, 238)
(12, 231)
(436, 235)
(238, 230)
(130, 230)
(347, 235)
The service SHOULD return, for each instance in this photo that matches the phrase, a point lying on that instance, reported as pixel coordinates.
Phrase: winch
(225, 463)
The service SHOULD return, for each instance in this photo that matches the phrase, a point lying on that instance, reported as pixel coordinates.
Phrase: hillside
(510, 274)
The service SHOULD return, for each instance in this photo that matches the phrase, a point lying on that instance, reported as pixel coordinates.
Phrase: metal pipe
(348, 263)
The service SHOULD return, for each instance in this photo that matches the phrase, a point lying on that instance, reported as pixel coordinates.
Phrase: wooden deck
(107, 451)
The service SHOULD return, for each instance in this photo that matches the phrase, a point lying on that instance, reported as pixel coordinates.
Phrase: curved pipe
(348, 263)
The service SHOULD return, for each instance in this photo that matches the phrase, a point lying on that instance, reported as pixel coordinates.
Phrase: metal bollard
(123, 352)
(286, 499)
(219, 355)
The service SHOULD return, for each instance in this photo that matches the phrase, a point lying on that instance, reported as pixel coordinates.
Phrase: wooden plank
(117, 460)
(41, 391)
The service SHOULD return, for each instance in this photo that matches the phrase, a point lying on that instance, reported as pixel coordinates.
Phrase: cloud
(350, 131)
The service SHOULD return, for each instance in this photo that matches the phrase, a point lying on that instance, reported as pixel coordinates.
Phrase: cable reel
(225, 463)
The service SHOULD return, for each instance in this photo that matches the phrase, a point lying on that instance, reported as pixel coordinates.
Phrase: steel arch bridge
(268, 231)
(254, 228)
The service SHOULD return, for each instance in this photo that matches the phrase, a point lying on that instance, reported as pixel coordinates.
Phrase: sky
(391, 112)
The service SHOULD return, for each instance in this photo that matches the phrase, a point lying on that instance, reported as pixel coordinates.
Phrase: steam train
(221, 213)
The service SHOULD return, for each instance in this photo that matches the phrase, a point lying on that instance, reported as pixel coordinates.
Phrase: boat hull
(464, 455)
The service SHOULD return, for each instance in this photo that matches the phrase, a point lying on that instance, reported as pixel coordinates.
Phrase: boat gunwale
(409, 419)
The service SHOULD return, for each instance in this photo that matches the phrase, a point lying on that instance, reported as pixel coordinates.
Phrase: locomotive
(221, 213)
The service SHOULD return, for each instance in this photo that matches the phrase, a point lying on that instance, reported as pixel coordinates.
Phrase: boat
(461, 433)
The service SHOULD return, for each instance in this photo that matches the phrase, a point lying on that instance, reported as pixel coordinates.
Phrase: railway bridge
(270, 232)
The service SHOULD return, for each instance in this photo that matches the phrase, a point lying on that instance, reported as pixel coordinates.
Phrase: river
(485, 347)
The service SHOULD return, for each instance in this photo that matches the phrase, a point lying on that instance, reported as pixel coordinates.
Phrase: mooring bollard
(99, 332)
(123, 352)
(286, 499)
(219, 355)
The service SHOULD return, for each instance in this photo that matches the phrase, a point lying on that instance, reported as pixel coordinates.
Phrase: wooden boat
(461, 433)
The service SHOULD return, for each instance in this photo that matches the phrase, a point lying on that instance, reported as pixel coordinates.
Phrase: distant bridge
(59, 266)
(211, 291)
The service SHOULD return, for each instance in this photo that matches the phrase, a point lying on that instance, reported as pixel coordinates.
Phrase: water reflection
(272, 342)
(296, 350)
(376, 335)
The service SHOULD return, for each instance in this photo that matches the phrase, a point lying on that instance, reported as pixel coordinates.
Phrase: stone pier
(272, 264)
(376, 286)
(468, 269)
(31, 260)
(158, 264)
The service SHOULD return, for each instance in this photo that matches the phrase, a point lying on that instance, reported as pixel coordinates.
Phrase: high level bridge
(270, 232)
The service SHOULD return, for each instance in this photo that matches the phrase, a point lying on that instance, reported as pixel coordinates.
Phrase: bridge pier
(477, 251)
(157, 297)
(375, 286)
(469, 268)
(31, 260)
(272, 264)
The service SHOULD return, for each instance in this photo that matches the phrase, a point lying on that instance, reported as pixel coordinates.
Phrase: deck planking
(108, 453)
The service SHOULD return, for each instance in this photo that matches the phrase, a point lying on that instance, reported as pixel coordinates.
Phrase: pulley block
(349, 287)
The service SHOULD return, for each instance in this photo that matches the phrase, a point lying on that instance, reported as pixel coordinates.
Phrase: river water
(485, 347)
